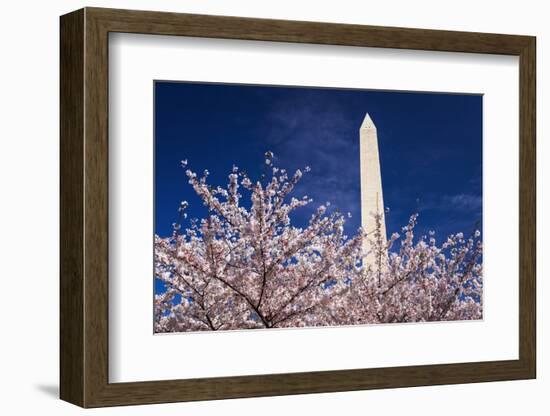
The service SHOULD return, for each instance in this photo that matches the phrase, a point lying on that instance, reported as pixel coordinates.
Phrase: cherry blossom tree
(419, 281)
(245, 265)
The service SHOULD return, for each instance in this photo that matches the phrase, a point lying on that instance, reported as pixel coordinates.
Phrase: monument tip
(367, 123)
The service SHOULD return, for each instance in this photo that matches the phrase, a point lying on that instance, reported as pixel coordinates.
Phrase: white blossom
(248, 266)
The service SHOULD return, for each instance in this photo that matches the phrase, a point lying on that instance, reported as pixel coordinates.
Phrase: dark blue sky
(430, 148)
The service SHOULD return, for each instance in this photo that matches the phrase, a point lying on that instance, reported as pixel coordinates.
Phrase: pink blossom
(250, 267)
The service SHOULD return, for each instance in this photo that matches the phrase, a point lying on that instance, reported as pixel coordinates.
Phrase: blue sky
(430, 148)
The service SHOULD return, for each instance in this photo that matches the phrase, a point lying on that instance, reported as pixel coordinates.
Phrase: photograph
(292, 206)
(256, 204)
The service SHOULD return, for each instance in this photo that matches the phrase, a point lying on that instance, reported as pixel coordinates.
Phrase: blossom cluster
(245, 265)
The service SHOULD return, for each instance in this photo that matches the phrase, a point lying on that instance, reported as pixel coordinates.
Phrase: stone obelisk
(372, 200)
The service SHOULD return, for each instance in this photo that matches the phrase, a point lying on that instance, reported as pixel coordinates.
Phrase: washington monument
(372, 199)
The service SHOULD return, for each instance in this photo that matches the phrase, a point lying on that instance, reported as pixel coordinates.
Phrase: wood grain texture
(84, 207)
(96, 208)
(71, 211)
(527, 208)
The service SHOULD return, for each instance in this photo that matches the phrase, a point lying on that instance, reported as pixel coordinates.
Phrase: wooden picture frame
(84, 207)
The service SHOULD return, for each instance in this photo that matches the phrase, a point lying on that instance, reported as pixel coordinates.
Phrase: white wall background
(29, 214)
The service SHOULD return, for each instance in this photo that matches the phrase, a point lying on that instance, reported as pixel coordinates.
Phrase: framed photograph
(257, 207)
